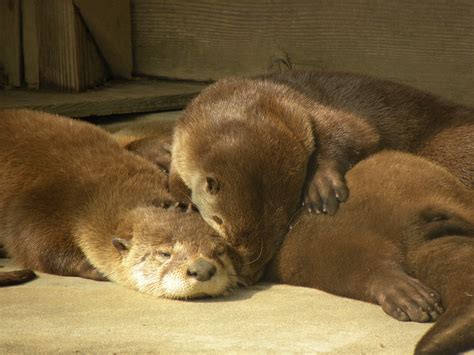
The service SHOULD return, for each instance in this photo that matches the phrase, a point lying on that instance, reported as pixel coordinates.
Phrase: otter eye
(216, 219)
(212, 185)
(164, 254)
(220, 250)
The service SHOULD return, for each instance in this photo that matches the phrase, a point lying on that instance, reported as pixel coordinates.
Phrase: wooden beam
(117, 97)
(109, 23)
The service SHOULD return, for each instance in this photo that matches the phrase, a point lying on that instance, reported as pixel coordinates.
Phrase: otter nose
(201, 270)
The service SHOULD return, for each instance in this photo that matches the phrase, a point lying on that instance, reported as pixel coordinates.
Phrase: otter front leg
(341, 140)
(178, 189)
(325, 187)
(155, 149)
(85, 270)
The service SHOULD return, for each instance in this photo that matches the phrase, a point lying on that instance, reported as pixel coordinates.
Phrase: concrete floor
(55, 314)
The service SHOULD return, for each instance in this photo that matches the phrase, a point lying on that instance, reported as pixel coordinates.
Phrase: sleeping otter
(246, 148)
(73, 202)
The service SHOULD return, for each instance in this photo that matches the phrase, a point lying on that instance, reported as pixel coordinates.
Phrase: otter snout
(201, 270)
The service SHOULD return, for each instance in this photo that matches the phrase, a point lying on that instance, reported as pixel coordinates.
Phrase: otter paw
(325, 191)
(405, 298)
(157, 151)
(87, 271)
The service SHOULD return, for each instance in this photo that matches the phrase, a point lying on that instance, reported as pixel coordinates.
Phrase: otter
(408, 229)
(406, 233)
(245, 149)
(74, 203)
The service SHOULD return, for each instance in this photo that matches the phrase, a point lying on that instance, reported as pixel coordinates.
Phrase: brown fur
(399, 224)
(73, 202)
(244, 148)
(407, 220)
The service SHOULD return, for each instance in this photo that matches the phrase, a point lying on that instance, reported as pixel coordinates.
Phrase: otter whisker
(259, 255)
(293, 217)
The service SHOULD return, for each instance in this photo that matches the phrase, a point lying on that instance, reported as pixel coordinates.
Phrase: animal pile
(349, 184)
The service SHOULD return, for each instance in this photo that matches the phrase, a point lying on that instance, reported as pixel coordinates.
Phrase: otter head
(244, 166)
(173, 254)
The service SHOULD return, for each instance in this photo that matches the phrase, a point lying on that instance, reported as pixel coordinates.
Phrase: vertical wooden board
(109, 23)
(30, 43)
(57, 39)
(68, 57)
(10, 42)
(92, 68)
(429, 44)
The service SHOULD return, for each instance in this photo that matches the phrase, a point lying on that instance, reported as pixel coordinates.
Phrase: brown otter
(407, 218)
(398, 228)
(245, 148)
(73, 202)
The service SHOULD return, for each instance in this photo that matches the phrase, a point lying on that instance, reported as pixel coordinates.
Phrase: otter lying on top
(246, 148)
(74, 203)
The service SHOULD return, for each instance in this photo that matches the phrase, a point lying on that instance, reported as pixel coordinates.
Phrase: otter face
(242, 149)
(249, 203)
(175, 255)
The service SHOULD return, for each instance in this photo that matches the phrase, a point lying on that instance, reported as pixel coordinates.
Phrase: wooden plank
(428, 44)
(30, 43)
(117, 97)
(10, 41)
(109, 23)
(68, 57)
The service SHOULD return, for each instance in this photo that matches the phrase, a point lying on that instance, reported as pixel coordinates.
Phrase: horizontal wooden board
(117, 97)
(428, 44)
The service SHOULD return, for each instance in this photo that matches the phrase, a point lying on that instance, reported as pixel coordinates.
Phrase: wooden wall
(10, 43)
(428, 44)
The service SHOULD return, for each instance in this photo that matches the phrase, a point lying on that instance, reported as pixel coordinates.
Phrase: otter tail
(446, 264)
(8, 278)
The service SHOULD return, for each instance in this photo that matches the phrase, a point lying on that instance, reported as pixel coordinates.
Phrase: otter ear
(212, 185)
(121, 244)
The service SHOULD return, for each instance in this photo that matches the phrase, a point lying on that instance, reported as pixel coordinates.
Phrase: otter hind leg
(406, 298)
(437, 223)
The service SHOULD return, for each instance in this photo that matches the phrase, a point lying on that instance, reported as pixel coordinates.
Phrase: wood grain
(428, 44)
(117, 97)
(109, 23)
(30, 43)
(68, 58)
(10, 42)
